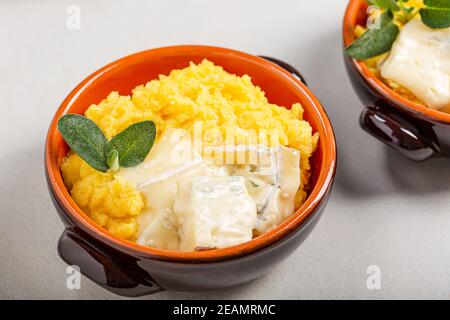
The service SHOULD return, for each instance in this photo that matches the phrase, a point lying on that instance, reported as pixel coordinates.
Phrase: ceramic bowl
(129, 269)
(415, 131)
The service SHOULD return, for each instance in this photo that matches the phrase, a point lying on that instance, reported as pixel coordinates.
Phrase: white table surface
(384, 210)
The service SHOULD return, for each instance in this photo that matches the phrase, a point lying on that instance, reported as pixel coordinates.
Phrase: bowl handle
(398, 132)
(110, 269)
(287, 67)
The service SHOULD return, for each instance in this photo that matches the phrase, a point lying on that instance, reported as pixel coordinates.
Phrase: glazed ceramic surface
(414, 130)
(129, 269)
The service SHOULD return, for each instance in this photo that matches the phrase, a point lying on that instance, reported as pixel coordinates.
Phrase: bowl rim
(354, 8)
(82, 220)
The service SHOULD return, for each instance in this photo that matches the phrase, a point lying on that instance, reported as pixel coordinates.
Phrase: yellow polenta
(199, 93)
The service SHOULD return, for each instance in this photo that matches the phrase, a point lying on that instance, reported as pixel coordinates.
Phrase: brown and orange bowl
(414, 130)
(130, 269)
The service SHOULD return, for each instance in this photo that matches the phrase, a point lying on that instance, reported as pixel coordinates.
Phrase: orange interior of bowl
(356, 14)
(125, 74)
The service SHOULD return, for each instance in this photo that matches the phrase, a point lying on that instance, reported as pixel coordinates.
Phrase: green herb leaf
(386, 18)
(375, 41)
(385, 4)
(134, 143)
(113, 160)
(85, 138)
(444, 4)
(436, 15)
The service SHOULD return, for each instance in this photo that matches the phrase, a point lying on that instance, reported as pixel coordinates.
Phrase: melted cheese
(169, 164)
(273, 186)
(215, 212)
(282, 202)
(420, 61)
(195, 203)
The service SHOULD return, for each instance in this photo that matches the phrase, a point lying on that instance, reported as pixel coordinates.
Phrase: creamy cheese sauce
(420, 61)
(273, 186)
(214, 212)
(196, 202)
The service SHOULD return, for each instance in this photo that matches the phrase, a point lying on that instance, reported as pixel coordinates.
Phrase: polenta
(203, 93)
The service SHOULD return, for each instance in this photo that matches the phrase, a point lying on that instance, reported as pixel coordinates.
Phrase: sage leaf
(85, 138)
(436, 14)
(134, 143)
(385, 4)
(386, 18)
(445, 4)
(375, 41)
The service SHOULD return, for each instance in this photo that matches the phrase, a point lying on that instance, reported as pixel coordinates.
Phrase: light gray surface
(384, 210)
